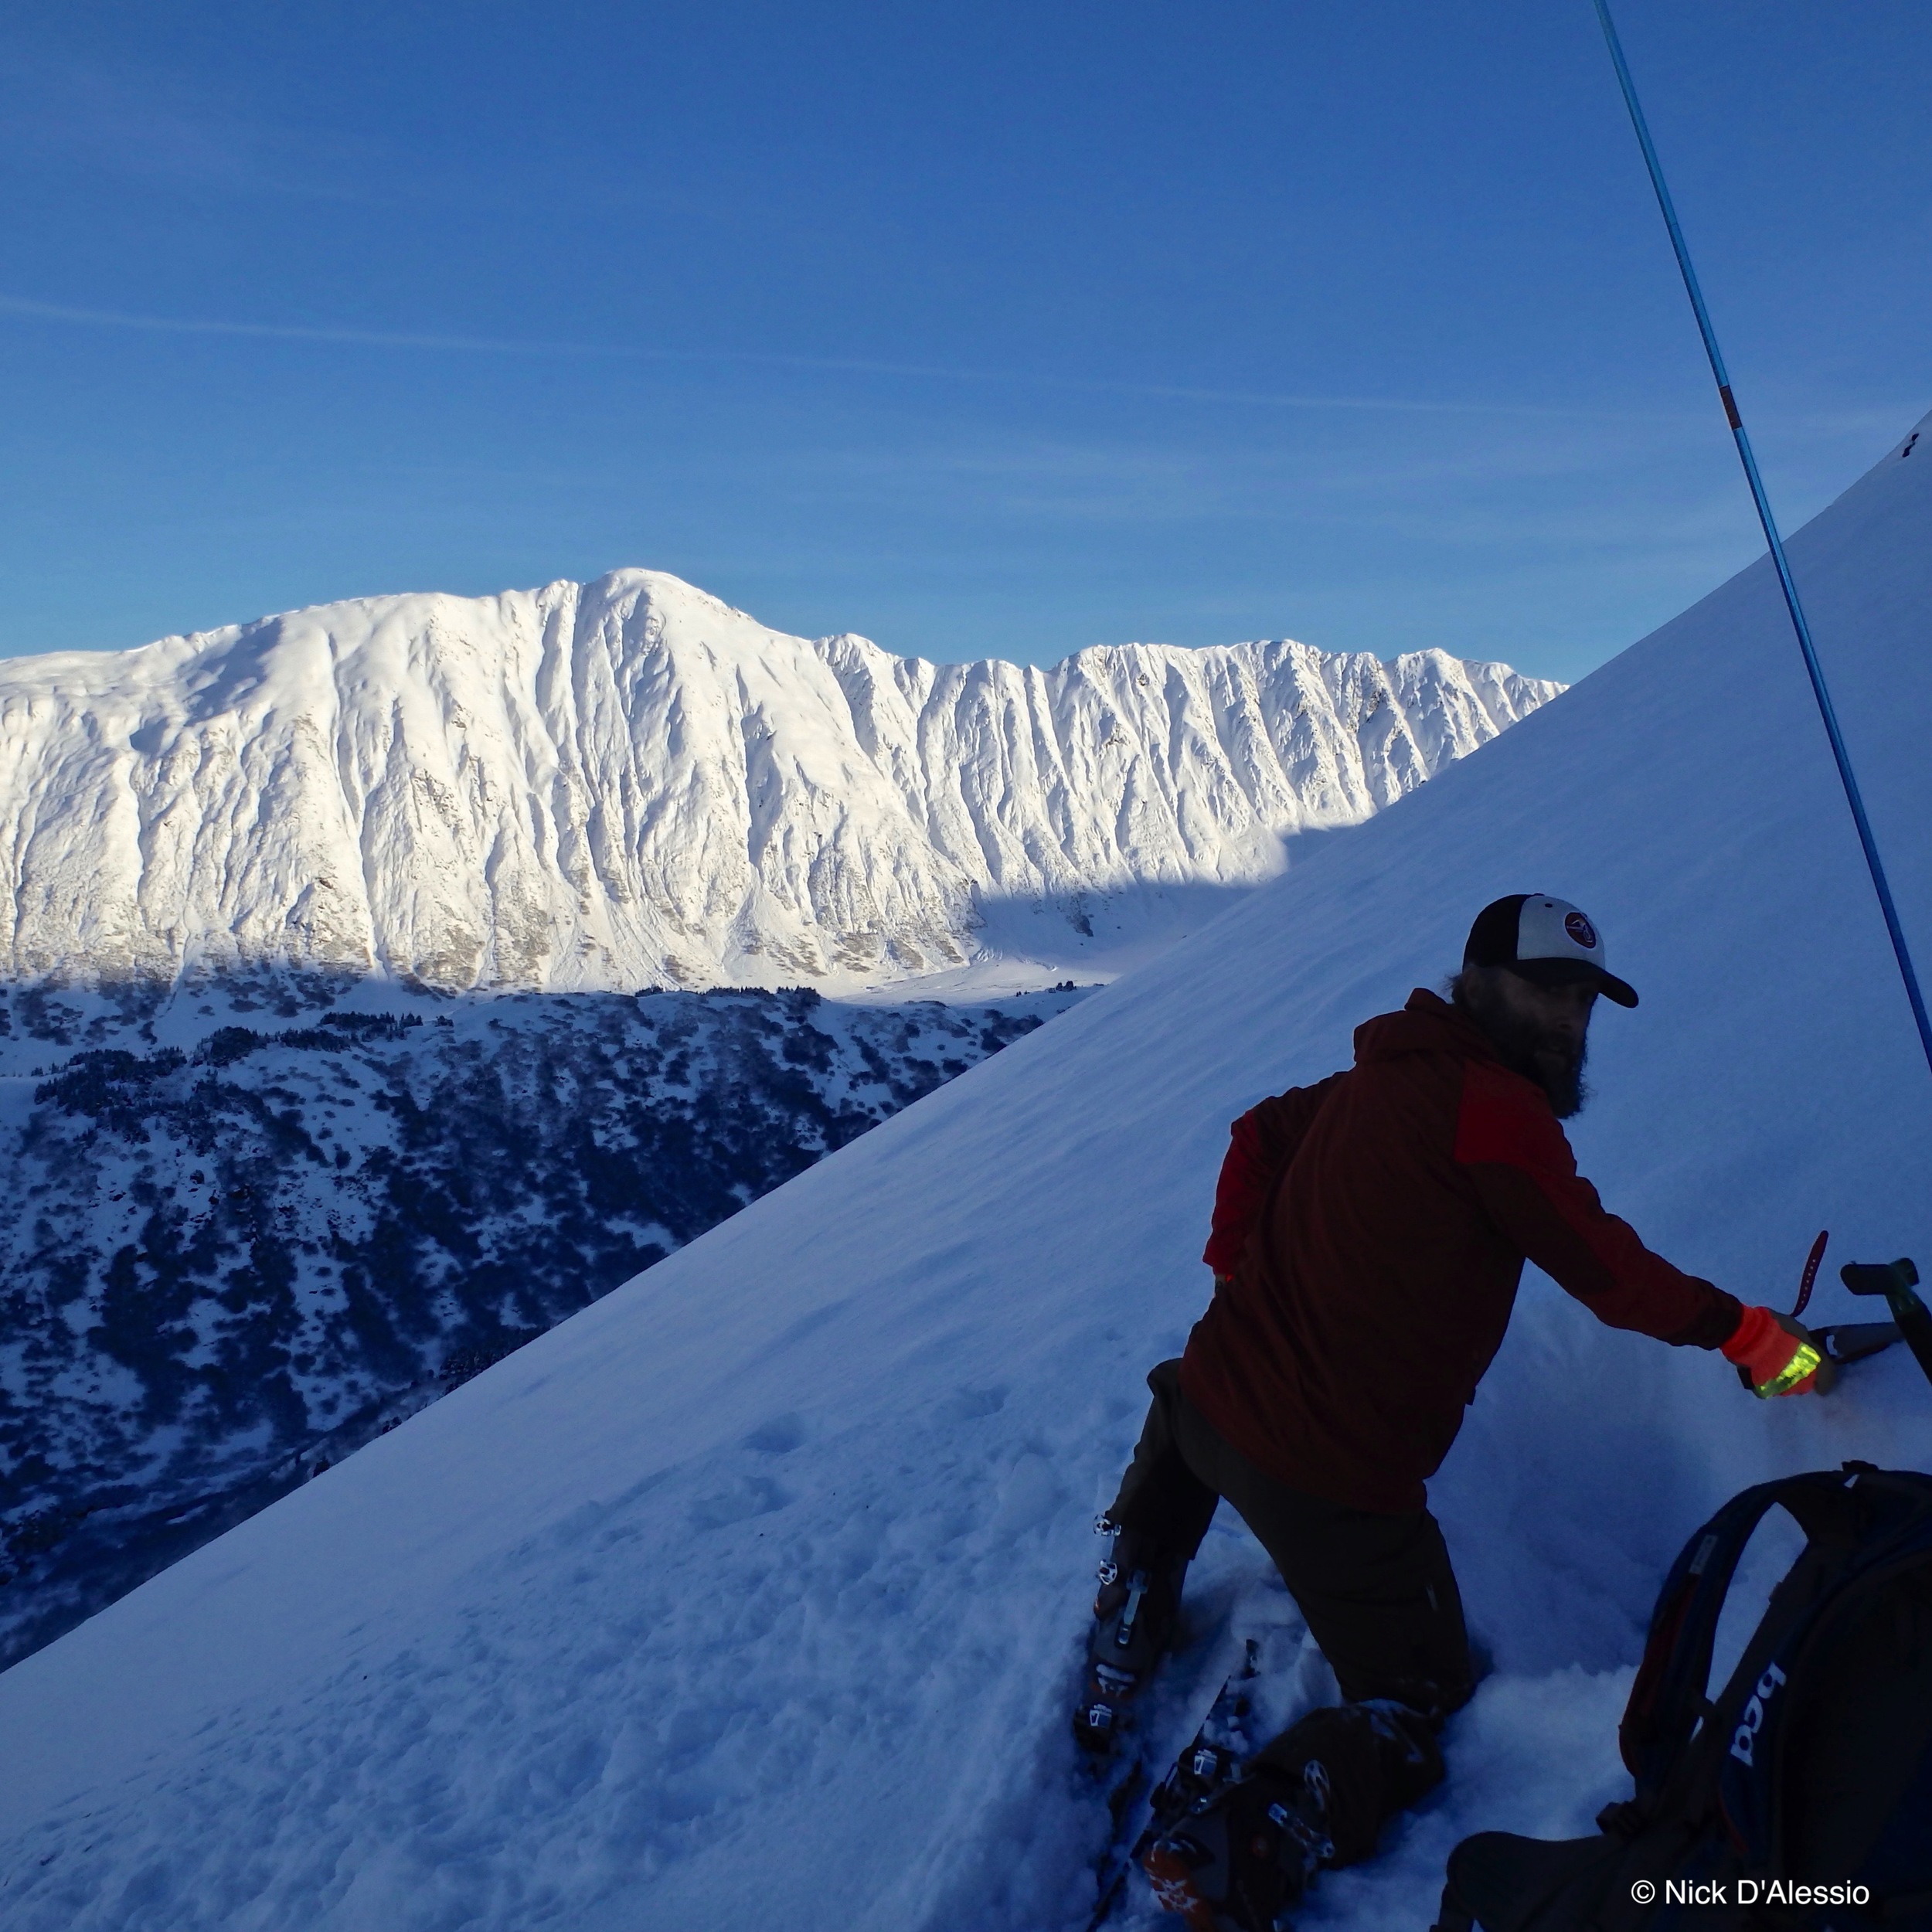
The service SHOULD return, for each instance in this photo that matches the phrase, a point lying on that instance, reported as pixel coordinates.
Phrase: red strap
(1811, 1272)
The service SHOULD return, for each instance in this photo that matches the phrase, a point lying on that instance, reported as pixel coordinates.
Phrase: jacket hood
(1428, 1023)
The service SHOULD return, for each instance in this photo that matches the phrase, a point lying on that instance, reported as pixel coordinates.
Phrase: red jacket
(1370, 1231)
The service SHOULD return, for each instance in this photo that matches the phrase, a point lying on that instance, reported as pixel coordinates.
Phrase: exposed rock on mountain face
(628, 783)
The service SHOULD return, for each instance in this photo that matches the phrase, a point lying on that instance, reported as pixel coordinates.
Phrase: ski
(1135, 1800)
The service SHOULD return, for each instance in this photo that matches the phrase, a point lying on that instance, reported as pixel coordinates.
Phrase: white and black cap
(1545, 940)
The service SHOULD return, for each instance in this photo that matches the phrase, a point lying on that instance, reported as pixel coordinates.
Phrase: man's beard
(1548, 1059)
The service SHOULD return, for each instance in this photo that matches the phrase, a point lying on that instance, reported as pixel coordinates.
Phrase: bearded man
(1369, 1235)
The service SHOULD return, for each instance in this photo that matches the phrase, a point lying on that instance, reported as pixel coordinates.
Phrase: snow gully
(1848, 778)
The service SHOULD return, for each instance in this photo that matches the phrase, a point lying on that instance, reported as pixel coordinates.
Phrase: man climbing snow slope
(1369, 1235)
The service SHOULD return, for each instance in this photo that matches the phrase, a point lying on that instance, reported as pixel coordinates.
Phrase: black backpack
(1799, 1797)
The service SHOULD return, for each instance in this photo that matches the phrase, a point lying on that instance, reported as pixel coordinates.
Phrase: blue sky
(990, 330)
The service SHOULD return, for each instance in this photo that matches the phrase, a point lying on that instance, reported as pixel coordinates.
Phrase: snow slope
(627, 784)
(752, 1595)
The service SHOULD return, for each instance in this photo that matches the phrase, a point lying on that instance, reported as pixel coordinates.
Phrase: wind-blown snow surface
(627, 783)
(753, 1595)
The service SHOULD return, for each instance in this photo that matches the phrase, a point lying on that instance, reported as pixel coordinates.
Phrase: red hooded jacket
(1369, 1234)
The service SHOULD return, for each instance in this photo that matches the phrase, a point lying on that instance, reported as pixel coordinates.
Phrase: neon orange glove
(1779, 1362)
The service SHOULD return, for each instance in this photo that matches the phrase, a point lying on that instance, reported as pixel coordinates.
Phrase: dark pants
(1377, 1590)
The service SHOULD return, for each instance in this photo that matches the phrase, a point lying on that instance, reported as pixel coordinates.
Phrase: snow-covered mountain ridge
(628, 783)
(755, 1594)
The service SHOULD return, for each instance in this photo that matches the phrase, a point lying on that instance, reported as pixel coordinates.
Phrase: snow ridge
(628, 783)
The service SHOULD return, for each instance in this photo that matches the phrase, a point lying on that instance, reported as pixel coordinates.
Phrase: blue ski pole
(1792, 604)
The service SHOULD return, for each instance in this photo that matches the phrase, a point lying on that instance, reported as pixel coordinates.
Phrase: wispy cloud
(155, 125)
(299, 333)
(29, 309)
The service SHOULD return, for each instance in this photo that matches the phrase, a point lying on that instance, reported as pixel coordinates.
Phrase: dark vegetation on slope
(255, 1226)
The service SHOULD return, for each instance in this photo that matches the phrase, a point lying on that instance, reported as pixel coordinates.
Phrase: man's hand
(1777, 1356)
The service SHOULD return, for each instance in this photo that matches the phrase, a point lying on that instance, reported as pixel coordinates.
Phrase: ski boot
(1134, 1619)
(1234, 1851)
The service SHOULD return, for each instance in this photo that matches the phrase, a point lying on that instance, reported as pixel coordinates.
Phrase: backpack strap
(1889, 1516)
(1672, 1691)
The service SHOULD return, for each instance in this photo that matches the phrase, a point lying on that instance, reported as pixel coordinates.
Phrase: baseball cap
(1545, 940)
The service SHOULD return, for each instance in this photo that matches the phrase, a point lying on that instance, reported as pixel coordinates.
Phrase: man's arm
(1523, 1169)
(1260, 1145)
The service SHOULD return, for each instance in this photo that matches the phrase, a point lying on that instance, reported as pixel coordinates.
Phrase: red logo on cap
(1580, 930)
